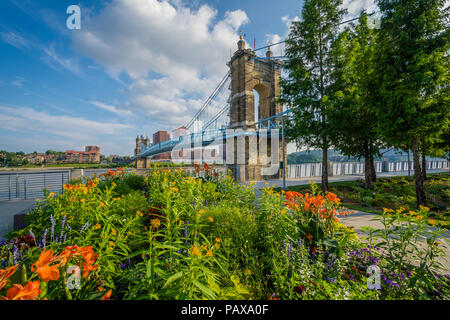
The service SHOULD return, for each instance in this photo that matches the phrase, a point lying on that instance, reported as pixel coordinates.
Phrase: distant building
(181, 131)
(160, 136)
(90, 155)
(35, 158)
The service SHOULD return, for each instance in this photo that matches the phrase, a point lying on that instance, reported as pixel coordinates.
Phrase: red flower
(299, 289)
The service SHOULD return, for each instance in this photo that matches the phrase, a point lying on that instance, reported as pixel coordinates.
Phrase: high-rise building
(181, 131)
(160, 136)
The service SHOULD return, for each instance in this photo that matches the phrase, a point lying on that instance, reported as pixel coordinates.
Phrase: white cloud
(22, 119)
(14, 39)
(187, 48)
(54, 60)
(18, 82)
(112, 109)
(354, 7)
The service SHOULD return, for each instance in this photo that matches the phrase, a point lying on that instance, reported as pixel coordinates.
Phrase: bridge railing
(306, 170)
(31, 185)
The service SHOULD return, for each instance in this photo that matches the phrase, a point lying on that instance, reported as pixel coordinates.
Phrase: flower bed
(171, 236)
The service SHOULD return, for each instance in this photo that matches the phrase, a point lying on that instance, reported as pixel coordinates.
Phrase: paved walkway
(360, 219)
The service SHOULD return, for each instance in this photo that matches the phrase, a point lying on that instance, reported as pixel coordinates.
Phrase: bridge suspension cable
(211, 98)
(285, 40)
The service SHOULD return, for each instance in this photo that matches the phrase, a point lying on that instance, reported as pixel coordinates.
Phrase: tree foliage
(307, 87)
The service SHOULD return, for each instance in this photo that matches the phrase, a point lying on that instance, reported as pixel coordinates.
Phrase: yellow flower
(114, 232)
(97, 226)
(83, 200)
(51, 194)
(424, 208)
(211, 219)
(112, 244)
(195, 251)
(63, 213)
(267, 183)
(139, 213)
(209, 253)
(283, 211)
(155, 223)
(114, 184)
(201, 211)
(174, 189)
(217, 245)
(432, 222)
(218, 240)
(102, 204)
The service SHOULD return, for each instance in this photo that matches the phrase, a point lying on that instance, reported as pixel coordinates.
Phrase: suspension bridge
(230, 113)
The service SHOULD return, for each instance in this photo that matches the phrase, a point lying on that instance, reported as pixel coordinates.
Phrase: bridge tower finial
(241, 42)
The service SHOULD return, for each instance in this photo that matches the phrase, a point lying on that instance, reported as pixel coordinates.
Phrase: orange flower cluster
(31, 291)
(47, 267)
(5, 274)
(313, 204)
(112, 173)
(48, 272)
(206, 168)
(87, 253)
(43, 268)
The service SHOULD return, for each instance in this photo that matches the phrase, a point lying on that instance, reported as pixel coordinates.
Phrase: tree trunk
(367, 168)
(367, 173)
(372, 168)
(420, 190)
(424, 165)
(325, 169)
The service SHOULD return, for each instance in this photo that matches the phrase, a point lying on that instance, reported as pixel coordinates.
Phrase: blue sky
(135, 67)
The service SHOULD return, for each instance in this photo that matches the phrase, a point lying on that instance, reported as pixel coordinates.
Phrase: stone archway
(249, 72)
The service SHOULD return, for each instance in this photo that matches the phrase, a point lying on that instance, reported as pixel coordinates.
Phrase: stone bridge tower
(248, 73)
(141, 162)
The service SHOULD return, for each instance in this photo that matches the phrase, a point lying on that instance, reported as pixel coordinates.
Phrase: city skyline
(128, 71)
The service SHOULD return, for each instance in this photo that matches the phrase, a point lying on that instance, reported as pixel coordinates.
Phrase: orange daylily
(43, 268)
(31, 291)
(309, 236)
(5, 274)
(332, 197)
(107, 295)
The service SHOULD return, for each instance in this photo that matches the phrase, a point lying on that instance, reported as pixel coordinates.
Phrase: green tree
(307, 87)
(412, 63)
(352, 119)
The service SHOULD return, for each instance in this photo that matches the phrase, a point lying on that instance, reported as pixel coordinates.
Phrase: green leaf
(173, 278)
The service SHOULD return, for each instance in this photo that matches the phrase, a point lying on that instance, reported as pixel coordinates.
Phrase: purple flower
(15, 255)
(44, 238)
